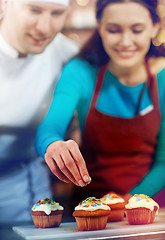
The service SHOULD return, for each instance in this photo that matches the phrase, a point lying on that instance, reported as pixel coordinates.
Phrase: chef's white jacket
(26, 89)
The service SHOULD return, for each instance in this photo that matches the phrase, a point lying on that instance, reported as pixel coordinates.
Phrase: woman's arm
(63, 157)
(154, 181)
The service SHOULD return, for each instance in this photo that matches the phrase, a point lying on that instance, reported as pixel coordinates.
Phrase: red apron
(118, 151)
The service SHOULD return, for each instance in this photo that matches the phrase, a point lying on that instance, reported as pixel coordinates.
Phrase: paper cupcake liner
(47, 221)
(153, 214)
(91, 223)
(139, 216)
(116, 215)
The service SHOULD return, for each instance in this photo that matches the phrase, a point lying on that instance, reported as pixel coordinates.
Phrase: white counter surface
(116, 230)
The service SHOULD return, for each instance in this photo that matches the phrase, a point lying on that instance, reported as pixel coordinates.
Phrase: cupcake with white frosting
(47, 213)
(141, 209)
(91, 214)
(117, 206)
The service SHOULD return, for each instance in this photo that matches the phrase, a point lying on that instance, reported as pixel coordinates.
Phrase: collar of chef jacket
(7, 49)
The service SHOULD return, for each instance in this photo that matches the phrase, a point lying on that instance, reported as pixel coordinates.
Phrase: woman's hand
(66, 162)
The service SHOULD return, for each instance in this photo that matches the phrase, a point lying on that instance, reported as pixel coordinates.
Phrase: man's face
(30, 26)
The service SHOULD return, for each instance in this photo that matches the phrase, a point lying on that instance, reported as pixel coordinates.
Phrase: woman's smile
(126, 53)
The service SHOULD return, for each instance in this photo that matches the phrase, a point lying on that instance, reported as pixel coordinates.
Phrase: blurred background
(80, 25)
(81, 21)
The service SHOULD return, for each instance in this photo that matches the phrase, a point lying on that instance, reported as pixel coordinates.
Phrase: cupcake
(46, 213)
(117, 206)
(91, 214)
(141, 209)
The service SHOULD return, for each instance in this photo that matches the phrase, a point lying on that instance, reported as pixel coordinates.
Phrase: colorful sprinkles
(111, 196)
(141, 197)
(91, 202)
(46, 201)
(89, 181)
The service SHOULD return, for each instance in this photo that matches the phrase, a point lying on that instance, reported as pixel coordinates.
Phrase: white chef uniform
(26, 88)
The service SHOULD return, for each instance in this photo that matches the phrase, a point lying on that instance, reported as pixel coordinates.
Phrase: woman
(120, 107)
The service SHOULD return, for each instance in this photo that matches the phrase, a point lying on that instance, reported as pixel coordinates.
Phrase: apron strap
(152, 83)
(99, 81)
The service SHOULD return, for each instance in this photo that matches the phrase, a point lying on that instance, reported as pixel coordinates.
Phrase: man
(32, 54)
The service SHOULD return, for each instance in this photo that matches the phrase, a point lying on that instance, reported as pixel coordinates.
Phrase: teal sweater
(74, 91)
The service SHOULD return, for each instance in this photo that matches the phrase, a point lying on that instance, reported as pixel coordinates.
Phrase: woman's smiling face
(126, 30)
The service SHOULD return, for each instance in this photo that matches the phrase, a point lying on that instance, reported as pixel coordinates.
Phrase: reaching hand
(66, 162)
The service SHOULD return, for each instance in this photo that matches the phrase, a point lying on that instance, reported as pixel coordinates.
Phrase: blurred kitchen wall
(81, 21)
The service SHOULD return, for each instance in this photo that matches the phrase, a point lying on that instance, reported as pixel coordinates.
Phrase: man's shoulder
(64, 44)
(61, 49)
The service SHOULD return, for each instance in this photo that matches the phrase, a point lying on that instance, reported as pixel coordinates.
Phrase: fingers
(65, 166)
(53, 167)
(66, 162)
(79, 161)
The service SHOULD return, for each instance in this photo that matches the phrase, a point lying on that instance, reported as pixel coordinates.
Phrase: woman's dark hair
(94, 52)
